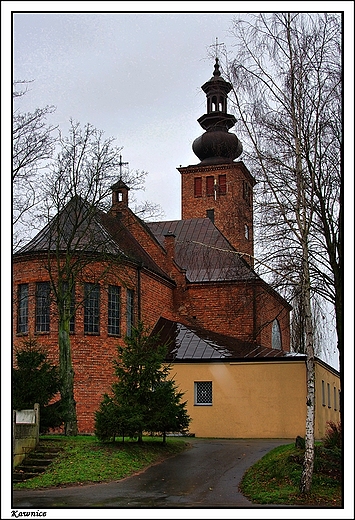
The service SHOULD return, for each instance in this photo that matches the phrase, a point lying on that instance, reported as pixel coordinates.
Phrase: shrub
(333, 435)
(35, 380)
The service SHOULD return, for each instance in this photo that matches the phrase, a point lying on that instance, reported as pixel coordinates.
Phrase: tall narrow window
(210, 214)
(246, 231)
(42, 306)
(276, 335)
(114, 310)
(222, 183)
(247, 192)
(71, 299)
(203, 393)
(91, 308)
(335, 398)
(210, 185)
(198, 186)
(323, 393)
(328, 388)
(22, 308)
(130, 311)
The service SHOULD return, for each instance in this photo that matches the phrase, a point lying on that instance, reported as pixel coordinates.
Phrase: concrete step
(36, 462)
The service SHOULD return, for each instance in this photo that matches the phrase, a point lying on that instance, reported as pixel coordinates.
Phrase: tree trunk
(308, 462)
(67, 379)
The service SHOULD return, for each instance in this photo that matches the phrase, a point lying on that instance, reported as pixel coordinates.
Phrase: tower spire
(217, 145)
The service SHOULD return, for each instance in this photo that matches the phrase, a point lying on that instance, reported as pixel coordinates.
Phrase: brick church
(192, 280)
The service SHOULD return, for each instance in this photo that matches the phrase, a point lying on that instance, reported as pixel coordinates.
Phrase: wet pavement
(205, 475)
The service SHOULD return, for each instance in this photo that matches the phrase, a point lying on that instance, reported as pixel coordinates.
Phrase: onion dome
(217, 145)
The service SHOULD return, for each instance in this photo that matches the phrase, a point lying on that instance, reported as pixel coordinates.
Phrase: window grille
(22, 308)
(42, 306)
(72, 305)
(130, 311)
(91, 308)
(198, 186)
(203, 393)
(114, 310)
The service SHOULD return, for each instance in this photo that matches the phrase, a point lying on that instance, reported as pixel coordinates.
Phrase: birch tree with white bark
(285, 69)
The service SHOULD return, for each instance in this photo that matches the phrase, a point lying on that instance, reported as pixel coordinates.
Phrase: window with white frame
(42, 306)
(91, 308)
(22, 308)
(130, 311)
(203, 393)
(114, 310)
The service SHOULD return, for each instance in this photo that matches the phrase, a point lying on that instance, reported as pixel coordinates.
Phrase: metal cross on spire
(216, 45)
(121, 164)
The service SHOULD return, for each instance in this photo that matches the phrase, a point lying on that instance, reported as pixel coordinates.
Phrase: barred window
(114, 310)
(22, 308)
(91, 308)
(130, 311)
(42, 306)
(203, 393)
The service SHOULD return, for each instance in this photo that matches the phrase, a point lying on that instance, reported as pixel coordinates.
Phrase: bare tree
(74, 242)
(33, 145)
(285, 71)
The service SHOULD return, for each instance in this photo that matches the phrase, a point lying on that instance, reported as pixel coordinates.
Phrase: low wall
(25, 433)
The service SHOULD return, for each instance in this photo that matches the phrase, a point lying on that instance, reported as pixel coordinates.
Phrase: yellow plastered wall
(250, 400)
(327, 403)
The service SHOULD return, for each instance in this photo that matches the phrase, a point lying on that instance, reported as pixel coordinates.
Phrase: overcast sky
(136, 76)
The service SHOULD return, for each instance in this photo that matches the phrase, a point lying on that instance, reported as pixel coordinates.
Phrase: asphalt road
(205, 475)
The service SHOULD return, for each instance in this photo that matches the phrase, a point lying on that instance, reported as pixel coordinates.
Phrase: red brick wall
(225, 308)
(240, 310)
(232, 210)
(92, 354)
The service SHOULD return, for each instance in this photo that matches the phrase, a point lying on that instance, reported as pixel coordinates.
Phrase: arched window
(276, 335)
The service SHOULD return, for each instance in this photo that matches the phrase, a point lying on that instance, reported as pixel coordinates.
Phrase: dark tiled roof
(192, 343)
(79, 227)
(203, 251)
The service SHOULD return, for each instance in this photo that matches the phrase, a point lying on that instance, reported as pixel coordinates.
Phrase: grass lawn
(275, 478)
(85, 459)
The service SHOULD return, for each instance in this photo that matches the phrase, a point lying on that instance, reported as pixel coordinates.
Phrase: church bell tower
(220, 187)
